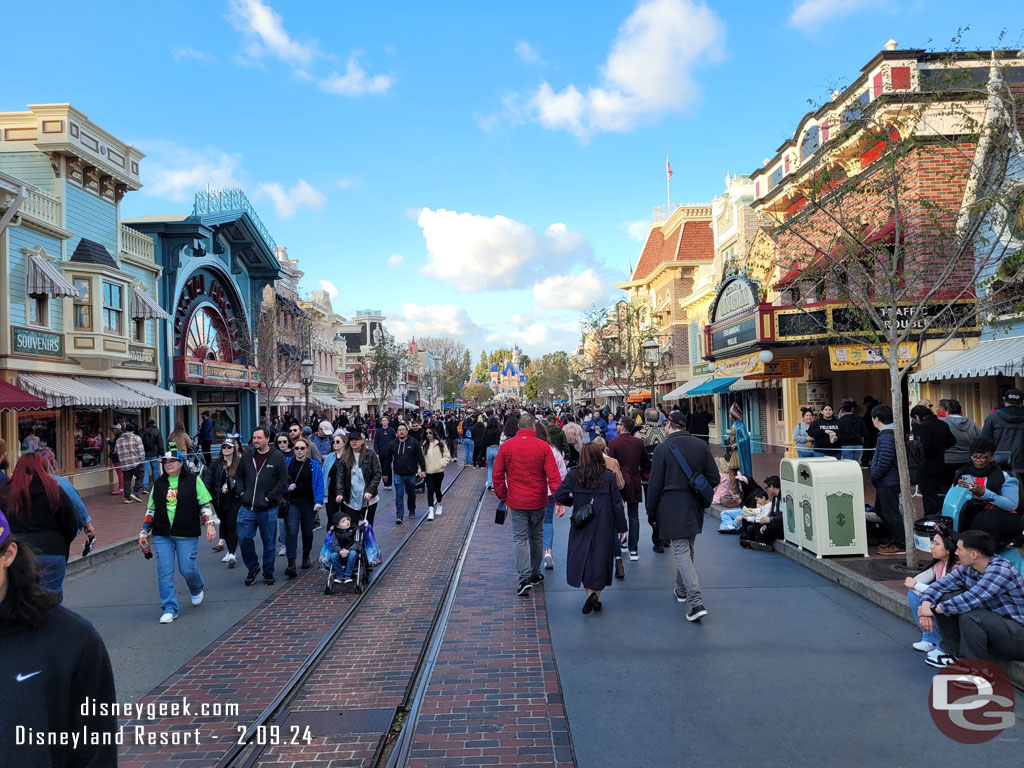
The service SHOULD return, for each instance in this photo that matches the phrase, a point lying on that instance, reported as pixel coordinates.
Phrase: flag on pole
(668, 168)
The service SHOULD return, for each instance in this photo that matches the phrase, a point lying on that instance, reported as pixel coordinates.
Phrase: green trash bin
(793, 492)
(826, 514)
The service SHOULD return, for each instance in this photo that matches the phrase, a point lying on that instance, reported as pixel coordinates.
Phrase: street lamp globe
(765, 356)
(307, 369)
(652, 352)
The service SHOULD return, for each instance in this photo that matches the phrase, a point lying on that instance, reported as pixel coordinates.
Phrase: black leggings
(434, 487)
(228, 519)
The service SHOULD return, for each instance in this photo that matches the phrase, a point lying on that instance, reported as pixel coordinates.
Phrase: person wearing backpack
(680, 467)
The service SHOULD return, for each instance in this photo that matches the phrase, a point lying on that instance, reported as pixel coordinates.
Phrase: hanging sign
(850, 356)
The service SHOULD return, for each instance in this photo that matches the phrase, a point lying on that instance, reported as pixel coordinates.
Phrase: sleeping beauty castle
(508, 380)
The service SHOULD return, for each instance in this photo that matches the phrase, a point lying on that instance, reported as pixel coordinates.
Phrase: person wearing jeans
(265, 521)
(467, 447)
(186, 551)
(491, 455)
(405, 492)
(263, 479)
(408, 463)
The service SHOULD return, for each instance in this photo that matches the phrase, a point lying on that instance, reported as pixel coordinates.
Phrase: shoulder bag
(583, 515)
(698, 483)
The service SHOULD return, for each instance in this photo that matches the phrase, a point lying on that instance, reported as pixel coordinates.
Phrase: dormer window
(810, 143)
(775, 178)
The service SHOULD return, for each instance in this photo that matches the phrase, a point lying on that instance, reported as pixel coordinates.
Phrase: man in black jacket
(935, 439)
(676, 506)
(153, 444)
(407, 462)
(1005, 426)
(263, 479)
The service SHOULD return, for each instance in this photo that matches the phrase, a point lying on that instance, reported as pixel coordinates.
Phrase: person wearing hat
(322, 439)
(677, 507)
(1005, 426)
(179, 507)
(58, 668)
(356, 480)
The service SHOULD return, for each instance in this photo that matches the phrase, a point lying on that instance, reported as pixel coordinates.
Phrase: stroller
(368, 556)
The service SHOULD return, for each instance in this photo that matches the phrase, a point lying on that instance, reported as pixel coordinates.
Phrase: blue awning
(713, 387)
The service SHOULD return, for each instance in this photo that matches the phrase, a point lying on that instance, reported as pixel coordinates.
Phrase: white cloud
(432, 320)
(288, 201)
(810, 15)
(648, 72)
(479, 253)
(347, 182)
(264, 33)
(396, 260)
(584, 291)
(331, 289)
(534, 335)
(638, 230)
(528, 54)
(355, 81)
(192, 53)
(176, 173)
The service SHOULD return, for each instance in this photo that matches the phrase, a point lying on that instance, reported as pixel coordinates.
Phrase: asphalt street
(787, 669)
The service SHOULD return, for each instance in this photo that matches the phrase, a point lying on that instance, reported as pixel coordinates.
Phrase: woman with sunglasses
(357, 480)
(220, 479)
(305, 497)
(332, 465)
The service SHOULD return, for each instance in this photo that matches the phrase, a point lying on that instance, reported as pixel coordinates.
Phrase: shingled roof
(90, 252)
(694, 241)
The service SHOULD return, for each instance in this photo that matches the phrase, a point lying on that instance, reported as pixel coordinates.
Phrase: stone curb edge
(881, 596)
(103, 556)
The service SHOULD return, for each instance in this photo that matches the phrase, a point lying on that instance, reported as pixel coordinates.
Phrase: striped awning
(988, 358)
(43, 276)
(326, 401)
(59, 391)
(144, 306)
(683, 391)
(158, 395)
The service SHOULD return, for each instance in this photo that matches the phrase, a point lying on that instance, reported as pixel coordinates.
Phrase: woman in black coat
(590, 556)
(221, 481)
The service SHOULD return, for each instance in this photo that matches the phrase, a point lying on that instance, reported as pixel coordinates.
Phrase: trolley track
(252, 746)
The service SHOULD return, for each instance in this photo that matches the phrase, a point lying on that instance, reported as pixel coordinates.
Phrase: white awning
(326, 401)
(43, 276)
(59, 391)
(158, 395)
(144, 306)
(988, 358)
(680, 392)
(742, 384)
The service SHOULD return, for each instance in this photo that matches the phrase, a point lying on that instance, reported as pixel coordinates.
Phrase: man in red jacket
(524, 472)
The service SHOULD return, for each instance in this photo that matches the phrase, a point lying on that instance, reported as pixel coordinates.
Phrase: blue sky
(480, 170)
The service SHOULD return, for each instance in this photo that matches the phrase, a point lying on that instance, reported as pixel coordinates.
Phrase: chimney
(891, 45)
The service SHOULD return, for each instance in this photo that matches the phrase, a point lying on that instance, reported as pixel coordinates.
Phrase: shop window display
(89, 443)
(42, 426)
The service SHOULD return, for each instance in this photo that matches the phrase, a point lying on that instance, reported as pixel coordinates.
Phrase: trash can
(927, 526)
(824, 506)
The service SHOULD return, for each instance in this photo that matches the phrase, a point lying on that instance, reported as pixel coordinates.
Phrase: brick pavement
(115, 522)
(250, 663)
(494, 697)
(377, 657)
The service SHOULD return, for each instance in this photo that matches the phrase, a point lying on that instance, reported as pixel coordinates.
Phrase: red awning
(14, 399)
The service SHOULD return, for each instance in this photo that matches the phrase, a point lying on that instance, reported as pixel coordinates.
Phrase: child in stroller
(343, 555)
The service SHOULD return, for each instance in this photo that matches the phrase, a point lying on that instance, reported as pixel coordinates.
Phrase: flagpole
(668, 186)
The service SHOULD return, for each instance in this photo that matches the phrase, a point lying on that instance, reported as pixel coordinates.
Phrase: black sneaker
(744, 542)
(305, 562)
(251, 578)
(537, 578)
(697, 613)
(269, 579)
(524, 587)
(761, 546)
(659, 549)
(679, 598)
(398, 521)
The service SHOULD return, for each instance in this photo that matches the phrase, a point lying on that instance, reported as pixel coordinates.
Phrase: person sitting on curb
(987, 618)
(761, 529)
(944, 561)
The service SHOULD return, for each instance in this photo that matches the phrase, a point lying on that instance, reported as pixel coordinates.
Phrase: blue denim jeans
(405, 486)
(492, 454)
(804, 453)
(151, 471)
(853, 452)
(549, 523)
(51, 573)
(300, 515)
(349, 565)
(248, 523)
(467, 446)
(166, 550)
(932, 637)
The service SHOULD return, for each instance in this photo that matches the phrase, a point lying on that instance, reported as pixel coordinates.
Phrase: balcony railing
(42, 207)
(227, 200)
(135, 243)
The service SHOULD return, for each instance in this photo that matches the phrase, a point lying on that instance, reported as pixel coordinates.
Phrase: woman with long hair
(41, 514)
(492, 439)
(331, 467)
(435, 455)
(943, 550)
(179, 436)
(549, 511)
(356, 479)
(591, 552)
(305, 497)
(510, 428)
(221, 479)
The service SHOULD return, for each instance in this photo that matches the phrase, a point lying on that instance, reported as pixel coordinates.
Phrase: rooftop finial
(891, 45)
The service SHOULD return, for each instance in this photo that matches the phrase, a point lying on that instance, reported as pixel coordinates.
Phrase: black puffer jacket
(1006, 427)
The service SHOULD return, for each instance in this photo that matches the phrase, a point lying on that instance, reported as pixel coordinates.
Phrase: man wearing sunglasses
(263, 481)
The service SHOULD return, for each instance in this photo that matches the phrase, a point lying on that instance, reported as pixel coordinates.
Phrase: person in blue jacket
(305, 498)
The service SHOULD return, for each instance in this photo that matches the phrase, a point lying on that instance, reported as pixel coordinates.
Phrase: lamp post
(307, 380)
(652, 354)
(551, 392)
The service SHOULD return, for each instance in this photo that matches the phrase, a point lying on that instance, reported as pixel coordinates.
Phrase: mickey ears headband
(233, 436)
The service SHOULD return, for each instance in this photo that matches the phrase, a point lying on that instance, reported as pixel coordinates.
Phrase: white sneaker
(227, 558)
(430, 513)
(437, 510)
(634, 555)
(167, 618)
(923, 646)
(197, 599)
(549, 562)
(939, 658)
(348, 579)
(231, 561)
(282, 551)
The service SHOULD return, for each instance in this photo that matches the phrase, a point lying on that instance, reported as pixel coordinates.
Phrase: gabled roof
(90, 252)
(651, 256)
(692, 241)
(697, 243)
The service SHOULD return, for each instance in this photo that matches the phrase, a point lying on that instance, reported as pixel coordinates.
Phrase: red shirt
(524, 471)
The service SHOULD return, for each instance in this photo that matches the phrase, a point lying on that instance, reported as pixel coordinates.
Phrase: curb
(871, 591)
(102, 556)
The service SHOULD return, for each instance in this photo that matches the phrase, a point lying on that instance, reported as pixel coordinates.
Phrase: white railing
(135, 243)
(42, 207)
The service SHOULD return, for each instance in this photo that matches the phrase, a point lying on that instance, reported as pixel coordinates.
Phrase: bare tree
(905, 224)
(381, 373)
(616, 353)
(448, 365)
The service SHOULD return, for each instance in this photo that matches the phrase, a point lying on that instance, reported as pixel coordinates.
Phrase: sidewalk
(117, 527)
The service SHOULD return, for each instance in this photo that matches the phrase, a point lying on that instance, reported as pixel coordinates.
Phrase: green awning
(713, 387)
